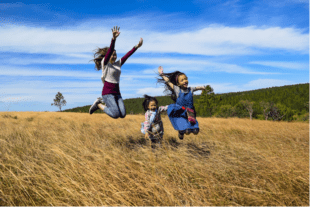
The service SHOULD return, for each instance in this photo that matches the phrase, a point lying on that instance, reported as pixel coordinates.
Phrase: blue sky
(236, 45)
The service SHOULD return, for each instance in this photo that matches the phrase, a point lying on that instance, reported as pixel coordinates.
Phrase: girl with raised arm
(105, 60)
(182, 114)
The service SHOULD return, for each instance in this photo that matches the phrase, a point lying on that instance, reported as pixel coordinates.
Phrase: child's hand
(115, 32)
(160, 70)
(140, 43)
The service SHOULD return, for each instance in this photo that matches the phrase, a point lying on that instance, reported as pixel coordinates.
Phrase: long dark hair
(173, 79)
(98, 56)
(147, 100)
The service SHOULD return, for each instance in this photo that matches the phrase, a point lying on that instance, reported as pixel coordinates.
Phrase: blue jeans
(115, 107)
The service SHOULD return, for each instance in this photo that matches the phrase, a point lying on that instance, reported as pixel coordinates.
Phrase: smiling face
(113, 57)
(182, 81)
(152, 105)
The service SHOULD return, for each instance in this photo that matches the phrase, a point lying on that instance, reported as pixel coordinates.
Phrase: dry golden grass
(80, 159)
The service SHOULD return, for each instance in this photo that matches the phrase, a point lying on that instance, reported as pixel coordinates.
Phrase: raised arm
(162, 108)
(115, 33)
(199, 88)
(161, 71)
(123, 59)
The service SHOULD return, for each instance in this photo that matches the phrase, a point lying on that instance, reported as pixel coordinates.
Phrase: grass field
(50, 158)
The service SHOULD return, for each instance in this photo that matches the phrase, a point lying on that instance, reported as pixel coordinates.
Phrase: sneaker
(187, 131)
(181, 136)
(196, 131)
(94, 107)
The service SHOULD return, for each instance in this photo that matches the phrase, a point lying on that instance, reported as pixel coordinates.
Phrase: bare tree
(274, 113)
(59, 101)
(249, 106)
(266, 108)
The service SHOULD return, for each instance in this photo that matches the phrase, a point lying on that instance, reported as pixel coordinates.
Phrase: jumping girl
(182, 114)
(153, 126)
(104, 59)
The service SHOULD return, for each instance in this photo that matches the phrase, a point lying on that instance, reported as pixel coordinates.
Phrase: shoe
(187, 131)
(181, 136)
(94, 107)
(196, 131)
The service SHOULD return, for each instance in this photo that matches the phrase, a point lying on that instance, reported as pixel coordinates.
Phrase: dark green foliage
(226, 111)
(290, 101)
(294, 97)
(206, 104)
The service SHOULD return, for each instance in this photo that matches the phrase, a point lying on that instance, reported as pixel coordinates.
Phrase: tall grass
(49, 158)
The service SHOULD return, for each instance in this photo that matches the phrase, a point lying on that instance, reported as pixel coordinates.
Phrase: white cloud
(21, 71)
(187, 65)
(15, 99)
(151, 91)
(211, 40)
(282, 64)
(91, 74)
(72, 59)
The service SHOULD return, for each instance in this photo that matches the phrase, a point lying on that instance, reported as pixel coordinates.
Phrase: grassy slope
(80, 159)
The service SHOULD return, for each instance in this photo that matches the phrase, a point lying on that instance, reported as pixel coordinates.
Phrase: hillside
(77, 159)
(292, 99)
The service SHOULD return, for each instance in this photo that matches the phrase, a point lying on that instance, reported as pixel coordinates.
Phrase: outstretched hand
(160, 70)
(140, 43)
(115, 32)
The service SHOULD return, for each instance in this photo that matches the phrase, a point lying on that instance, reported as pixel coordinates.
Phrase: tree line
(276, 103)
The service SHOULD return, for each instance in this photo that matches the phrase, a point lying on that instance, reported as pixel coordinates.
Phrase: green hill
(294, 98)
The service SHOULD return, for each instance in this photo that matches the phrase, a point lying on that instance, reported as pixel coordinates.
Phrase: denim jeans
(115, 107)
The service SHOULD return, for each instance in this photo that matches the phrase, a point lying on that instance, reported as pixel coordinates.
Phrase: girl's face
(113, 57)
(182, 81)
(152, 105)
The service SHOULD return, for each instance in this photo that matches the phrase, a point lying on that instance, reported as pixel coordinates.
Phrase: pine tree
(207, 102)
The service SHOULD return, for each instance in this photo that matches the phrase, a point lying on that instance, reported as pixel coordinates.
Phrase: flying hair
(173, 78)
(98, 56)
